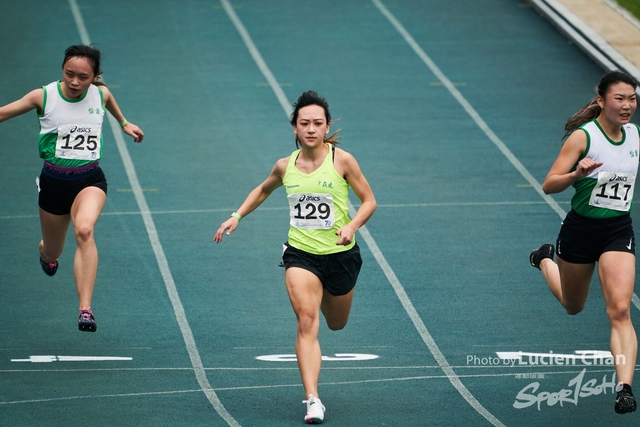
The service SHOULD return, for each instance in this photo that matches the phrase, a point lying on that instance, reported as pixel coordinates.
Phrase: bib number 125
(79, 142)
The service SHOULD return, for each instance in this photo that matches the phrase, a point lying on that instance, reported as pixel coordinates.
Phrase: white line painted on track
(274, 386)
(406, 302)
(468, 108)
(475, 116)
(380, 206)
(422, 329)
(338, 357)
(49, 359)
(163, 264)
(468, 366)
(255, 54)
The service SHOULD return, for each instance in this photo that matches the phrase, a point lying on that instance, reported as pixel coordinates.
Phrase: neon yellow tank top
(318, 206)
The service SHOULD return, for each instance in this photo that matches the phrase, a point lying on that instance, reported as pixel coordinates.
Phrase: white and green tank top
(608, 191)
(318, 206)
(71, 129)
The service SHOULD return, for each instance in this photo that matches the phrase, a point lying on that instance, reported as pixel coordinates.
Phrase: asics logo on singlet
(306, 198)
(79, 130)
(617, 178)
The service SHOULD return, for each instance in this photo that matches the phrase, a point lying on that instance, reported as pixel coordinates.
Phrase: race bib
(311, 211)
(78, 142)
(613, 191)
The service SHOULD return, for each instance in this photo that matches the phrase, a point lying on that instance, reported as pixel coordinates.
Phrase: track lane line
(154, 239)
(475, 116)
(393, 280)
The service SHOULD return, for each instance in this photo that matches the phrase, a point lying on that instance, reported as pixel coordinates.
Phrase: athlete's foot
(315, 410)
(49, 268)
(537, 255)
(625, 402)
(86, 322)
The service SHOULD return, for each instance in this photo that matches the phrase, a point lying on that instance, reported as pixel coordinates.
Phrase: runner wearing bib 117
(600, 160)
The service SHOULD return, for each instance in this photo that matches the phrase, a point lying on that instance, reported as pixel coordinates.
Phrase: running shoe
(537, 255)
(49, 268)
(625, 402)
(86, 322)
(315, 410)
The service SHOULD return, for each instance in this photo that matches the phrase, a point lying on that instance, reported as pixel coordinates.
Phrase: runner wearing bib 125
(71, 130)
(72, 189)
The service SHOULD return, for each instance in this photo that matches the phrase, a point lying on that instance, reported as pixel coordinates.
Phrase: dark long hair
(92, 54)
(311, 97)
(592, 109)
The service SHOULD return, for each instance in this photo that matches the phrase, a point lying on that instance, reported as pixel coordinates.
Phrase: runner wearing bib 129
(318, 206)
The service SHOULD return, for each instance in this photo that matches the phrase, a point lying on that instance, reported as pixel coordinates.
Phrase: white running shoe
(315, 410)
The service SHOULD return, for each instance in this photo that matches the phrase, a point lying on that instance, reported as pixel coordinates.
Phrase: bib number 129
(311, 211)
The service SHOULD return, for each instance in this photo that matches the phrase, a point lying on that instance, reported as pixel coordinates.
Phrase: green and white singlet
(71, 129)
(318, 206)
(608, 191)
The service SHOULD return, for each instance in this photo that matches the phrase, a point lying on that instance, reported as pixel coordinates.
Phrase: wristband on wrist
(123, 123)
(237, 216)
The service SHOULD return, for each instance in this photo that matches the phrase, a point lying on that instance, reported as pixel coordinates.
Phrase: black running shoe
(625, 402)
(86, 322)
(49, 268)
(537, 255)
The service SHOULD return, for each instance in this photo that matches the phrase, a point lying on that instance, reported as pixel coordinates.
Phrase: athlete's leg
(568, 282)
(85, 212)
(336, 309)
(616, 271)
(305, 293)
(54, 231)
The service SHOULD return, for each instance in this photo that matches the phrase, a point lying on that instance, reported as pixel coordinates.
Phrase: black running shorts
(582, 240)
(338, 272)
(57, 192)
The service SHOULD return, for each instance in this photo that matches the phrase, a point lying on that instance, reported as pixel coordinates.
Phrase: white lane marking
(274, 386)
(163, 264)
(273, 208)
(49, 359)
(406, 302)
(476, 117)
(338, 357)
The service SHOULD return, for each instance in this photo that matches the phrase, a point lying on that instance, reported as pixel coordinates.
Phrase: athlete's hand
(227, 228)
(134, 131)
(586, 166)
(346, 235)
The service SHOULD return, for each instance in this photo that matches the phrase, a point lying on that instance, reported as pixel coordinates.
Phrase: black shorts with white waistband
(57, 191)
(582, 240)
(337, 272)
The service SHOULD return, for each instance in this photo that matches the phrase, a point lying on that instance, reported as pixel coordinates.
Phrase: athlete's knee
(307, 322)
(84, 233)
(618, 312)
